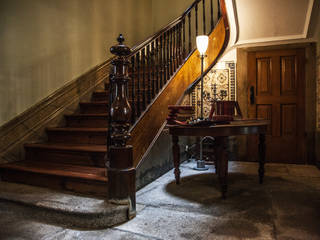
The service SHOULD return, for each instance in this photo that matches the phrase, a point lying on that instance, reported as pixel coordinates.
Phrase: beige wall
(169, 9)
(44, 44)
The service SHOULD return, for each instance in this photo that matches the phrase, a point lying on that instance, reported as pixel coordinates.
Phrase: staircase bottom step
(61, 208)
(79, 179)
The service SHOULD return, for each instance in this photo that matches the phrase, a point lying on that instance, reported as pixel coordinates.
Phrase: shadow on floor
(282, 201)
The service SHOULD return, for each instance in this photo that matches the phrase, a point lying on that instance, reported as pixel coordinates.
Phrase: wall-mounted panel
(288, 75)
(265, 111)
(264, 70)
(288, 119)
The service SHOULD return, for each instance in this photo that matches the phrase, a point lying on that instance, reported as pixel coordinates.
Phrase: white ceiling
(254, 21)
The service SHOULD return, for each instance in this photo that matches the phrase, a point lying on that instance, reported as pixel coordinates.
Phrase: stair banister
(153, 63)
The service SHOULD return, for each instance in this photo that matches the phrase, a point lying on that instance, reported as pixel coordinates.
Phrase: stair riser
(55, 182)
(93, 108)
(77, 137)
(100, 97)
(87, 122)
(76, 158)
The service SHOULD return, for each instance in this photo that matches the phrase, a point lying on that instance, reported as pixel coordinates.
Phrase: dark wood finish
(211, 14)
(121, 172)
(144, 99)
(221, 133)
(196, 18)
(138, 84)
(204, 17)
(276, 92)
(189, 32)
(133, 81)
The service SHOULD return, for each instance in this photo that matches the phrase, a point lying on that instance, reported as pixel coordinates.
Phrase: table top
(236, 127)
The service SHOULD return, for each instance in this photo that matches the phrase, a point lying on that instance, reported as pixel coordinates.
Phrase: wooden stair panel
(88, 180)
(77, 135)
(87, 120)
(85, 155)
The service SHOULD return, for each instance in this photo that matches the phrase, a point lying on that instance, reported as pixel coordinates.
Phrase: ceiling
(273, 20)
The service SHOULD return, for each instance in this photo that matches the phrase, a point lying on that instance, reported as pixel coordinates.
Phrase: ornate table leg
(222, 164)
(176, 157)
(262, 156)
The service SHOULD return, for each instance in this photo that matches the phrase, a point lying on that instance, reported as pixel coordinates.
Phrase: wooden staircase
(73, 156)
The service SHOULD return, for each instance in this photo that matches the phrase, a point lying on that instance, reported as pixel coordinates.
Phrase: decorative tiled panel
(218, 84)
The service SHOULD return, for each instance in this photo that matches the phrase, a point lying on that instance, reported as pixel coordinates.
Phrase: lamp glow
(202, 43)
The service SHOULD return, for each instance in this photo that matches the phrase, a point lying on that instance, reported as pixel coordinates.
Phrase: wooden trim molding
(29, 126)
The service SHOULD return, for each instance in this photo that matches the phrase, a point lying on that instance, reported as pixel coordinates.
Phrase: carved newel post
(121, 173)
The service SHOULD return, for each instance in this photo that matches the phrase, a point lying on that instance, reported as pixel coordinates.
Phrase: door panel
(278, 80)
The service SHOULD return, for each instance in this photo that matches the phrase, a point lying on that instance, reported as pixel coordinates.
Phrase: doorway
(276, 91)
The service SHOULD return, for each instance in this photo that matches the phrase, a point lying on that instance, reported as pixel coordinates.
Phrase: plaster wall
(46, 44)
(169, 10)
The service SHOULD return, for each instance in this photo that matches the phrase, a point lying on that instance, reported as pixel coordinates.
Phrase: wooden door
(276, 92)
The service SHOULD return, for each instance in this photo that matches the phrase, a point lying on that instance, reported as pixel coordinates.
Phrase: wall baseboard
(30, 125)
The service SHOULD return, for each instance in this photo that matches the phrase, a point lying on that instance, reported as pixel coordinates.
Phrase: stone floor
(286, 206)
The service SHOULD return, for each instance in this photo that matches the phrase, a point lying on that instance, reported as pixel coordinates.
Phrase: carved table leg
(176, 157)
(262, 156)
(222, 164)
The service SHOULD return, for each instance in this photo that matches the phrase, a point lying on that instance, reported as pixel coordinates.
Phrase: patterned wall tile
(218, 84)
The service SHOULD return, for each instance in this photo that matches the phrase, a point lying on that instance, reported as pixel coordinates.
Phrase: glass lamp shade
(202, 43)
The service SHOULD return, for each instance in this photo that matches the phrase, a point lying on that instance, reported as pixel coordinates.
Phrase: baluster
(165, 60)
(168, 56)
(180, 45)
(157, 62)
(211, 14)
(196, 16)
(204, 16)
(152, 75)
(161, 71)
(133, 112)
(174, 48)
(172, 52)
(143, 56)
(138, 84)
(184, 38)
(219, 12)
(189, 23)
(148, 74)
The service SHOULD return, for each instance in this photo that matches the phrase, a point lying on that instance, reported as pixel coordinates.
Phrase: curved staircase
(73, 157)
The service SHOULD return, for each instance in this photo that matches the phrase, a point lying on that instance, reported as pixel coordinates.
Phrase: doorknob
(252, 95)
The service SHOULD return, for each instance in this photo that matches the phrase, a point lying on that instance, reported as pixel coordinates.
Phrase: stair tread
(77, 129)
(59, 169)
(69, 147)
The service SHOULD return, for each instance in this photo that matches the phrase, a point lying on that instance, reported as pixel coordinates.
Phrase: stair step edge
(67, 207)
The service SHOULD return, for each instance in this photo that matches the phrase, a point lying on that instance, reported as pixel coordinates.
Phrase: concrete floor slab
(285, 206)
